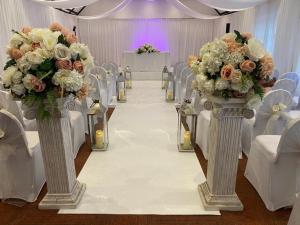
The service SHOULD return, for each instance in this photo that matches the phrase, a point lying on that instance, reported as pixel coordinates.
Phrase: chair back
(290, 139)
(270, 116)
(290, 75)
(14, 138)
(7, 103)
(285, 84)
(188, 87)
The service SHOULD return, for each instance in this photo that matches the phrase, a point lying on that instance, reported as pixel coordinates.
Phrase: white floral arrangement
(236, 65)
(46, 64)
(146, 48)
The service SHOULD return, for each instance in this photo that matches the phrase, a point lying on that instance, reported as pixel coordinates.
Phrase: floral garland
(235, 65)
(46, 64)
(146, 48)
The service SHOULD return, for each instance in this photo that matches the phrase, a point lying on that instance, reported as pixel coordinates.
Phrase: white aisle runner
(142, 172)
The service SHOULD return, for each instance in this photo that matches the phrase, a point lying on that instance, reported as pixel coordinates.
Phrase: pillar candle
(187, 140)
(169, 95)
(122, 94)
(99, 139)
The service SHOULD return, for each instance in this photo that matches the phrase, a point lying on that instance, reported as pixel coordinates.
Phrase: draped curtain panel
(14, 14)
(109, 38)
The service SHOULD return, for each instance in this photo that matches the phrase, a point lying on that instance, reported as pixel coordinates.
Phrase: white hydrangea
(18, 89)
(17, 77)
(233, 58)
(201, 79)
(23, 64)
(221, 84)
(209, 86)
(243, 87)
(8, 75)
(71, 81)
(34, 57)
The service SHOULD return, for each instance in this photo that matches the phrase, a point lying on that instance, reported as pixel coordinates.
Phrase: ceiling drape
(231, 5)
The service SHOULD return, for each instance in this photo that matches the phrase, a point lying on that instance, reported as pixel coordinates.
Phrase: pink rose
(247, 66)
(26, 30)
(78, 66)
(65, 31)
(55, 27)
(227, 72)
(38, 85)
(71, 38)
(35, 45)
(64, 64)
(247, 35)
(15, 53)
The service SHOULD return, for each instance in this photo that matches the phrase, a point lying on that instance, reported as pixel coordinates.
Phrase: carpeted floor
(254, 213)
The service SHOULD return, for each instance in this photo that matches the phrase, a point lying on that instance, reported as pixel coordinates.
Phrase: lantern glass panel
(121, 89)
(164, 78)
(128, 77)
(187, 127)
(170, 89)
(98, 127)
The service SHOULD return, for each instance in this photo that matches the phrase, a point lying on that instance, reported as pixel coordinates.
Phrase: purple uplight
(150, 31)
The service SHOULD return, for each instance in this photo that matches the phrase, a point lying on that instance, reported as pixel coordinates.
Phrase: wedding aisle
(142, 172)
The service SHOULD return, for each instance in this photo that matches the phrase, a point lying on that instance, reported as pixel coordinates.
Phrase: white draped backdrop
(275, 22)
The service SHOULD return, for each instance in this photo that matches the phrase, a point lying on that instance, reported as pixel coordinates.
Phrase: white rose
(16, 41)
(17, 77)
(27, 81)
(34, 57)
(25, 48)
(36, 35)
(8, 74)
(256, 49)
(62, 52)
(221, 84)
(18, 89)
(81, 49)
(50, 40)
(23, 64)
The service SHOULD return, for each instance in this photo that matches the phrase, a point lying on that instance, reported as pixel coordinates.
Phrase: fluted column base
(213, 202)
(63, 201)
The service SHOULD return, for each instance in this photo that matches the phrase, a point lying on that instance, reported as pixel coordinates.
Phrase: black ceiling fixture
(73, 11)
(224, 13)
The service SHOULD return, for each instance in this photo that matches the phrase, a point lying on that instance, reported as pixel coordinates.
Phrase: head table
(146, 65)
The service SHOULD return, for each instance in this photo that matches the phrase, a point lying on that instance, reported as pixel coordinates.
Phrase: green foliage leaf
(10, 63)
(46, 65)
(239, 38)
(61, 40)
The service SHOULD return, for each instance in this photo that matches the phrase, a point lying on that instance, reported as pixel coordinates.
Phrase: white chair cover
(14, 107)
(267, 121)
(188, 90)
(290, 75)
(295, 215)
(273, 166)
(285, 84)
(22, 171)
(111, 83)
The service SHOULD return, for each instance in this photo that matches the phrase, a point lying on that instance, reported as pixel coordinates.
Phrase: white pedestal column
(218, 192)
(64, 190)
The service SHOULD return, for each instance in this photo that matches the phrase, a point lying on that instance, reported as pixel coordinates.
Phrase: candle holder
(128, 77)
(187, 127)
(121, 89)
(164, 77)
(98, 126)
(170, 89)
